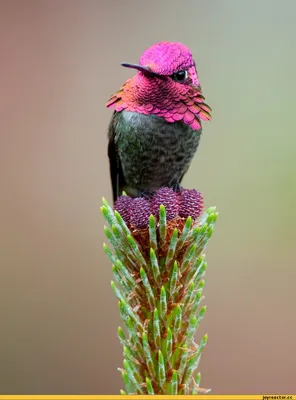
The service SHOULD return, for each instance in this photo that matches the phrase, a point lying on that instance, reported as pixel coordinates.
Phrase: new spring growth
(158, 263)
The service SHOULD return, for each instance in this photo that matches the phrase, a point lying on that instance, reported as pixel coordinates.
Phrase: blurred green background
(60, 61)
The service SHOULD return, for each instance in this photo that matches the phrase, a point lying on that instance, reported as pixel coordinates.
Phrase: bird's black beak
(142, 68)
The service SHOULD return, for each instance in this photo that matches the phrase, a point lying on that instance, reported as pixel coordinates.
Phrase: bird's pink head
(171, 59)
(166, 85)
(165, 58)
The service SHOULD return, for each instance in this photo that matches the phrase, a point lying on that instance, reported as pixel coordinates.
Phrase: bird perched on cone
(156, 125)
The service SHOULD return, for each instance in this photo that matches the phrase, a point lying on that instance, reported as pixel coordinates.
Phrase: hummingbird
(155, 128)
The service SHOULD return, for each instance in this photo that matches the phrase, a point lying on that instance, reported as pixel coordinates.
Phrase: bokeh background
(60, 61)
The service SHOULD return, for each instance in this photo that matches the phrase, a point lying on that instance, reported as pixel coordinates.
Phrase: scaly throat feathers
(161, 96)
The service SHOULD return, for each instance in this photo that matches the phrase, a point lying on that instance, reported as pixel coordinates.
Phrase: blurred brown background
(60, 61)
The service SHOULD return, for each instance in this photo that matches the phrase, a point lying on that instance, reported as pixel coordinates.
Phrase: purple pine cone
(169, 199)
(123, 205)
(140, 212)
(191, 203)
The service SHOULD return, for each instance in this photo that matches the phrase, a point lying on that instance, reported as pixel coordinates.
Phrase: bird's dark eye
(180, 76)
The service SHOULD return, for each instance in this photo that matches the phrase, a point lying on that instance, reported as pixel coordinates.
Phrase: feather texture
(156, 126)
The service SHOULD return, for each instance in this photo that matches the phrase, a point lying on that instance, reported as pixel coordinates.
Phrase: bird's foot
(147, 194)
(177, 187)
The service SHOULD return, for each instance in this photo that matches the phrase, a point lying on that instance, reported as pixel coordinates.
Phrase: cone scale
(158, 265)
